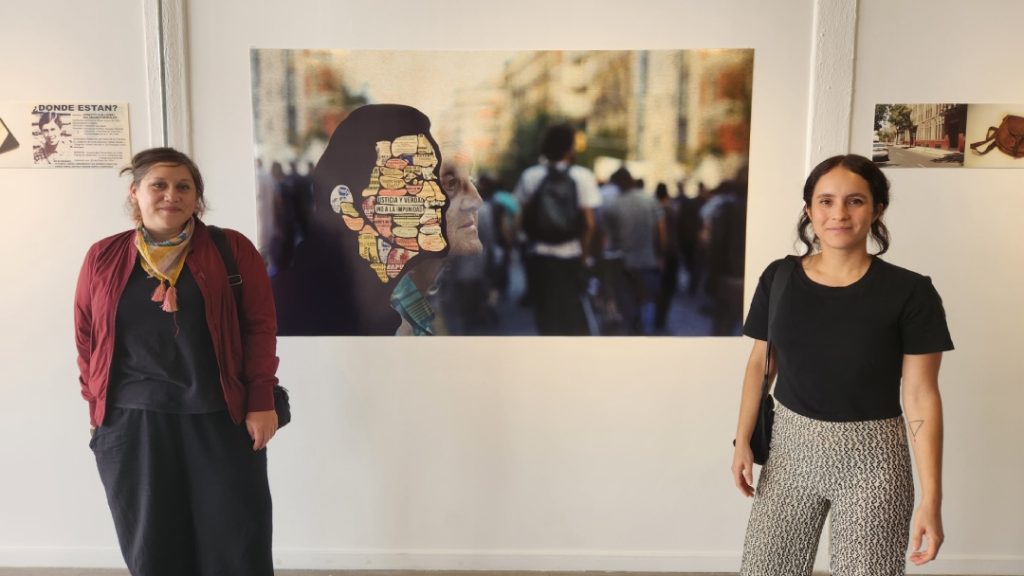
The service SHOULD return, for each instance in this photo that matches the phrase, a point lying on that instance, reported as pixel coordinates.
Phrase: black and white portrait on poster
(66, 134)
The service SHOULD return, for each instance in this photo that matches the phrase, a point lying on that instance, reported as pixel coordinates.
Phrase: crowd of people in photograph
(284, 202)
(630, 261)
(640, 264)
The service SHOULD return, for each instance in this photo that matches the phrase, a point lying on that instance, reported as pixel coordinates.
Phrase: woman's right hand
(743, 469)
(743, 456)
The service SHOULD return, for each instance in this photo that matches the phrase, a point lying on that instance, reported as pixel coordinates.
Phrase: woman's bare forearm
(751, 394)
(924, 422)
(922, 407)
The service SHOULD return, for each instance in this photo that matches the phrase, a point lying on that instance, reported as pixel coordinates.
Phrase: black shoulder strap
(779, 283)
(234, 278)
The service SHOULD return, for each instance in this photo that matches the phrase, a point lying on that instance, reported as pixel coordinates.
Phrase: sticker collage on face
(401, 206)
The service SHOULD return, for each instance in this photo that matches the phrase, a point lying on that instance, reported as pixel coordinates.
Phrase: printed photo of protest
(503, 193)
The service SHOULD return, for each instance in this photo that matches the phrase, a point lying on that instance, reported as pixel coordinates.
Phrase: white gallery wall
(963, 228)
(516, 453)
(52, 509)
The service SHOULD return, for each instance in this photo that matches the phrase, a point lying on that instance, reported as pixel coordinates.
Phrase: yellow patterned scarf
(164, 261)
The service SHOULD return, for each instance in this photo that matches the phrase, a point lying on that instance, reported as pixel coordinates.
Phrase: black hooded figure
(329, 289)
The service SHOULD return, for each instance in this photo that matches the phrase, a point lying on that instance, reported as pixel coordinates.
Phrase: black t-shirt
(164, 361)
(840, 349)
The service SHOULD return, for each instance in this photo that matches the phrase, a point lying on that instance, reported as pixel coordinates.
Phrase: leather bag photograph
(1008, 137)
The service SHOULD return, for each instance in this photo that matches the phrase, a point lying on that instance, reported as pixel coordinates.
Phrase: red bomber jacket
(246, 354)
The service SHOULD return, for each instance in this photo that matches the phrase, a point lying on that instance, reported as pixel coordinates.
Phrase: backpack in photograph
(552, 214)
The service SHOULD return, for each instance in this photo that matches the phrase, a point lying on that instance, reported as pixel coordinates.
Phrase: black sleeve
(756, 325)
(923, 326)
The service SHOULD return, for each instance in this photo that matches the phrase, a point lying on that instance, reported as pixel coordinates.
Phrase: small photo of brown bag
(1009, 137)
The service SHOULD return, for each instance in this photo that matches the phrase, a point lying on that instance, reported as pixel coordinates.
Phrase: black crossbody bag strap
(779, 283)
(234, 278)
(282, 403)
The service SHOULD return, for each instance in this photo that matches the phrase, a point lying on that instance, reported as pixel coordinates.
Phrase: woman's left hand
(261, 426)
(927, 525)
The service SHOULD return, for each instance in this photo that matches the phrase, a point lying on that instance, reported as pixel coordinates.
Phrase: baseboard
(996, 564)
(492, 560)
(370, 559)
(514, 560)
(57, 557)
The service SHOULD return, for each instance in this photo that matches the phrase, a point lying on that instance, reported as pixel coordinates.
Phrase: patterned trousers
(860, 471)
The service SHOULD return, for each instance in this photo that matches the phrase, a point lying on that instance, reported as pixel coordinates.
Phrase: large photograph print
(503, 193)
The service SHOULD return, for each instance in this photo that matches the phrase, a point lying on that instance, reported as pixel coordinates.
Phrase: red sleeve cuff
(261, 398)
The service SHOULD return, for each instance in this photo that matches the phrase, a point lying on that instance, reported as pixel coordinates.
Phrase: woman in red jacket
(180, 391)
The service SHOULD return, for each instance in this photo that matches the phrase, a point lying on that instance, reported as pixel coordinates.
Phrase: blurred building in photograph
(661, 112)
(939, 125)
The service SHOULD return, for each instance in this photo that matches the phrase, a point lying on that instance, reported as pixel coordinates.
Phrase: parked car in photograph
(879, 152)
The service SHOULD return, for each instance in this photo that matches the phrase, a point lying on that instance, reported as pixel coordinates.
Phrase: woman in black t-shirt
(852, 335)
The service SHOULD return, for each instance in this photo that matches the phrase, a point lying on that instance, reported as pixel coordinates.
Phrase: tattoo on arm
(915, 427)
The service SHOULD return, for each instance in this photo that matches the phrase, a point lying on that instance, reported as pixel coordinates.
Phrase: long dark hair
(350, 155)
(877, 183)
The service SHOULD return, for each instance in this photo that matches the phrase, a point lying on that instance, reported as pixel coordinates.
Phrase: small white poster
(63, 134)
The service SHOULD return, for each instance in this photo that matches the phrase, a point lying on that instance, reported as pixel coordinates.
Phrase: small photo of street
(919, 135)
(995, 136)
